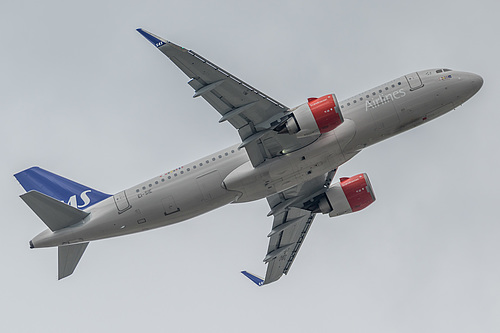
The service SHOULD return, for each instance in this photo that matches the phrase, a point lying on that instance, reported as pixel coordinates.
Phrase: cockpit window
(439, 71)
(446, 70)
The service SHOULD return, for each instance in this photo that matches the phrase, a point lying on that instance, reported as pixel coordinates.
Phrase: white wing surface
(251, 112)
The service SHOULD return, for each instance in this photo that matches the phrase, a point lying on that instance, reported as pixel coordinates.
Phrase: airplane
(287, 155)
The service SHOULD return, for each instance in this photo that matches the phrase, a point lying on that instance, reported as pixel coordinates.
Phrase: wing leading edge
(253, 113)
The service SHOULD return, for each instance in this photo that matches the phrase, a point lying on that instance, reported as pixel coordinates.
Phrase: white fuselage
(227, 176)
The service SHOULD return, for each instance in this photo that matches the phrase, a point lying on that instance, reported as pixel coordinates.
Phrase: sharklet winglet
(257, 280)
(155, 40)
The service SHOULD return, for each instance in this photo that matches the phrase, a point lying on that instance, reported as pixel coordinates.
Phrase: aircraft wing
(292, 221)
(250, 111)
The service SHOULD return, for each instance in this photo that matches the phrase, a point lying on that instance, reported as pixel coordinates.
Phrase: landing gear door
(414, 81)
(121, 202)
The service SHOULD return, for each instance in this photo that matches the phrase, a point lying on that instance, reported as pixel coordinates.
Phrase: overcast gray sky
(86, 96)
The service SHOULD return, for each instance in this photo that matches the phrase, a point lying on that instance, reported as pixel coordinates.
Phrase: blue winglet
(257, 280)
(156, 41)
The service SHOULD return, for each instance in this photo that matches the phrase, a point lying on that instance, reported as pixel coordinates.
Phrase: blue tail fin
(59, 188)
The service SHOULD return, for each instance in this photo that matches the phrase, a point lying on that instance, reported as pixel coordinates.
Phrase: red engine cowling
(350, 195)
(319, 115)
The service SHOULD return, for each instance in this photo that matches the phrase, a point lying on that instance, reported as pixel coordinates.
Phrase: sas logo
(73, 201)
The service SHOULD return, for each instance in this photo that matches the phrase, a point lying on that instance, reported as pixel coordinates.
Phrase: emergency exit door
(414, 81)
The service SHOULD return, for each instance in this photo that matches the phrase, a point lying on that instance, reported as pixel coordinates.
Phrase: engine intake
(318, 115)
(350, 195)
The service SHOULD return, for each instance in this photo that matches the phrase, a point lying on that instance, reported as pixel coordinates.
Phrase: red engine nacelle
(350, 195)
(319, 115)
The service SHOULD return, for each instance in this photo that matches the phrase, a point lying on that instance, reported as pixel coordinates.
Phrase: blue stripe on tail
(59, 188)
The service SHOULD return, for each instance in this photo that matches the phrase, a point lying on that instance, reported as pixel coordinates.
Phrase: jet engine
(318, 115)
(350, 195)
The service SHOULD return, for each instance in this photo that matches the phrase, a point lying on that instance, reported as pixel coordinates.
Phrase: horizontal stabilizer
(68, 258)
(257, 280)
(55, 214)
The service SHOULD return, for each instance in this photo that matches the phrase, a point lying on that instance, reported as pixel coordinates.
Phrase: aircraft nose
(477, 82)
(468, 85)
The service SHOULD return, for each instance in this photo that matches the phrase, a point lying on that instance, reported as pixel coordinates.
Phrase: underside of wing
(292, 220)
(254, 114)
(285, 241)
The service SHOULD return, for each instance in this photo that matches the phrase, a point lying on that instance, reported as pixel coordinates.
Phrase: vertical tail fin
(59, 188)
